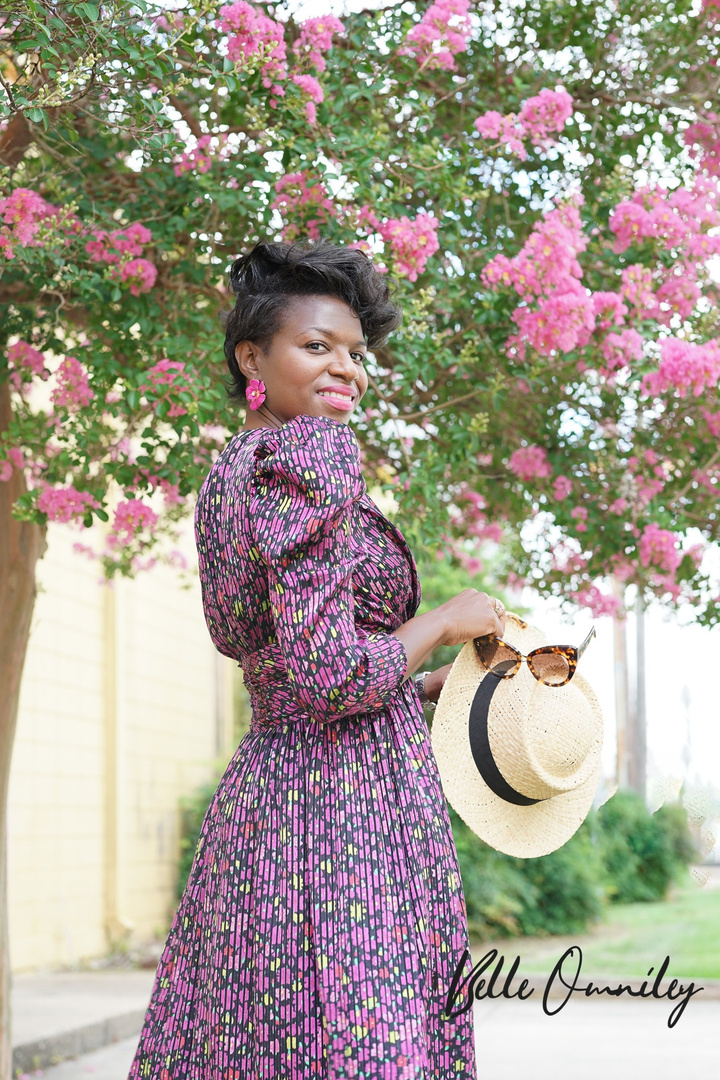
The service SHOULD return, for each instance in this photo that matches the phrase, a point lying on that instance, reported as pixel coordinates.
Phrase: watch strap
(419, 681)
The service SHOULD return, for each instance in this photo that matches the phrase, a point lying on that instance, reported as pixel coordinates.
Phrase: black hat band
(480, 745)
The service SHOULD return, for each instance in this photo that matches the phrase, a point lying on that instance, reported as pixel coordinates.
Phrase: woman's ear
(246, 354)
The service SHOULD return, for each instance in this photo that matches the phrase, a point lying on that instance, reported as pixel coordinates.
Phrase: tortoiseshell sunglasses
(553, 665)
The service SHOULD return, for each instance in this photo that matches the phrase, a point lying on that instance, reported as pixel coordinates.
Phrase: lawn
(633, 938)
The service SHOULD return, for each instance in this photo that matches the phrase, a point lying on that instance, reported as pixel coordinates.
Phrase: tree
(541, 180)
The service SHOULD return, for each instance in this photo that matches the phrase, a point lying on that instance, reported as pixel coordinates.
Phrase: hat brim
(521, 831)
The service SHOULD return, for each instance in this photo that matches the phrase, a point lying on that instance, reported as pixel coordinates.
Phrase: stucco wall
(125, 706)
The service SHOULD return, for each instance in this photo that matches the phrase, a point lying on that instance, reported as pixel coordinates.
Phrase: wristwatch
(419, 681)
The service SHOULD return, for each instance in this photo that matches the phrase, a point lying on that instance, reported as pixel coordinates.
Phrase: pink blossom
(196, 160)
(24, 213)
(546, 113)
(703, 139)
(172, 20)
(562, 487)
(610, 305)
(163, 379)
(412, 242)
(638, 291)
(561, 323)
(302, 203)
(539, 119)
(441, 34)
(598, 602)
(73, 387)
(547, 260)
(5, 470)
(566, 559)
(673, 219)
(528, 462)
(618, 505)
(110, 247)
(24, 361)
(620, 350)
(713, 422)
(579, 514)
(131, 517)
(667, 583)
(503, 129)
(313, 90)
(256, 38)
(141, 274)
(164, 373)
(65, 504)
(684, 366)
(316, 38)
(171, 493)
(679, 293)
(658, 548)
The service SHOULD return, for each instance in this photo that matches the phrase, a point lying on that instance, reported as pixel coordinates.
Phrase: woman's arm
(421, 636)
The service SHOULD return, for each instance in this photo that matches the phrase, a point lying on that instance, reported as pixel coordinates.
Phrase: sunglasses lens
(551, 667)
(496, 656)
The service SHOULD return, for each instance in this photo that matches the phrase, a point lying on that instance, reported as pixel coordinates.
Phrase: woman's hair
(267, 276)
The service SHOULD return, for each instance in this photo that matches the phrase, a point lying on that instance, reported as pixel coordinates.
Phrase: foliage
(642, 852)
(193, 808)
(554, 385)
(559, 893)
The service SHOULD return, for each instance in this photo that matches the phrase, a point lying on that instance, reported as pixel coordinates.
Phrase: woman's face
(319, 347)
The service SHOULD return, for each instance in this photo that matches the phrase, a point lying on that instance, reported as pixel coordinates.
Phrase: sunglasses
(553, 665)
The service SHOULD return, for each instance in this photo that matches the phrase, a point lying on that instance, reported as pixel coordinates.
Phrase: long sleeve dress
(324, 916)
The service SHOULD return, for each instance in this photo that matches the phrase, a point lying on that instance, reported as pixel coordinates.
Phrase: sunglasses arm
(586, 642)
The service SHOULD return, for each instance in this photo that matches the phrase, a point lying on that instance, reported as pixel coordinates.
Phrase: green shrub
(559, 893)
(569, 894)
(643, 852)
(192, 814)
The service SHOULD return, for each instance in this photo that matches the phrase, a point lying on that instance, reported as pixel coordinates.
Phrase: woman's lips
(343, 402)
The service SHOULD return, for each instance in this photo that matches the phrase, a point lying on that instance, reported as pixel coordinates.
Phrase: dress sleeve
(301, 509)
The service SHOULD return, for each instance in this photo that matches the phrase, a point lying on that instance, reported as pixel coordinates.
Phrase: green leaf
(90, 10)
(102, 514)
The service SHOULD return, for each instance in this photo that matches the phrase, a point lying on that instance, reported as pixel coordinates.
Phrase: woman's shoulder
(318, 431)
(310, 452)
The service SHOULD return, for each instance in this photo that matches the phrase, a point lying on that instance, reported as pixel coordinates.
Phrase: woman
(324, 917)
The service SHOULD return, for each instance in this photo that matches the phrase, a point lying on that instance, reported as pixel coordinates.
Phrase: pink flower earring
(255, 393)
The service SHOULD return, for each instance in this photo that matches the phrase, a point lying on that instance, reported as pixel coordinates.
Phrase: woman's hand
(471, 614)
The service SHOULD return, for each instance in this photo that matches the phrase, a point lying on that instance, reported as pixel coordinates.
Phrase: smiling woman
(323, 922)
(304, 318)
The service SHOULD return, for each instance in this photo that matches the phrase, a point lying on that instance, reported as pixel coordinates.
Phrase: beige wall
(125, 706)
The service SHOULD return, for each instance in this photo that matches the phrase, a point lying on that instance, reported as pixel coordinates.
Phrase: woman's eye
(359, 356)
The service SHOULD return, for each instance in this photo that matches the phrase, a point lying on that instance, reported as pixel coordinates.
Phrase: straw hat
(519, 761)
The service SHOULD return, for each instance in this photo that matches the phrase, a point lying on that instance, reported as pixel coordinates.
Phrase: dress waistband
(271, 698)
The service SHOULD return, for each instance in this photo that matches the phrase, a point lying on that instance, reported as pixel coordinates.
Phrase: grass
(633, 938)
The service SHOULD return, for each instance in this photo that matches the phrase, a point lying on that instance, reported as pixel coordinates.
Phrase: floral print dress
(324, 916)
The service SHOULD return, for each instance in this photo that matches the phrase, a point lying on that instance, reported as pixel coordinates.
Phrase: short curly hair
(265, 277)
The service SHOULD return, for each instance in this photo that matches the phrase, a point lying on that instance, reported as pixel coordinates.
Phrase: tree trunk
(22, 543)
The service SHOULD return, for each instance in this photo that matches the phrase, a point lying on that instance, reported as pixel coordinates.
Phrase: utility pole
(686, 699)
(637, 744)
(621, 687)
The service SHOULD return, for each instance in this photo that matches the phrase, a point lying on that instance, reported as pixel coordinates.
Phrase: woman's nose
(343, 362)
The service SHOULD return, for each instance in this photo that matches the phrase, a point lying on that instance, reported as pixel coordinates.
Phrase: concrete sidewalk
(64, 1015)
(591, 1040)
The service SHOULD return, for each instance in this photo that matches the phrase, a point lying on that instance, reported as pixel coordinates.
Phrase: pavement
(85, 1026)
(63, 1015)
